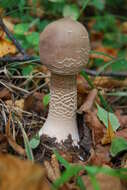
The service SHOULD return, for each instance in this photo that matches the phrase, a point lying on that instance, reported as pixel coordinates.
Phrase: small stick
(11, 37)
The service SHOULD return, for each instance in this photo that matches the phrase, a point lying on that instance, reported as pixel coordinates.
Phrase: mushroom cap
(64, 46)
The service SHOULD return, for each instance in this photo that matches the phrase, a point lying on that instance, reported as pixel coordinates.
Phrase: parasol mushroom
(64, 49)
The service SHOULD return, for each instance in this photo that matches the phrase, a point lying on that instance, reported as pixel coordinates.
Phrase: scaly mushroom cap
(64, 46)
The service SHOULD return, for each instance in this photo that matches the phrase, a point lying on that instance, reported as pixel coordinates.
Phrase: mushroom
(64, 49)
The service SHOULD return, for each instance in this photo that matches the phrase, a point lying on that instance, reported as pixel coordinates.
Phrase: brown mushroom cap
(64, 46)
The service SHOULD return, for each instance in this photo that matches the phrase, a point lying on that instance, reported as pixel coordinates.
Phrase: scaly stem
(63, 101)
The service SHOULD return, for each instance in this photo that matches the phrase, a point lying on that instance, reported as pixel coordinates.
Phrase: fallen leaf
(99, 156)
(34, 103)
(5, 94)
(8, 22)
(52, 168)
(49, 170)
(22, 175)
(87, 105)
(11, 140)
(107, 82)
(19, 103)
(105, 182)
(124, 165)
(95, 125)
(124, 27)
(106, 50)
(122, 133)
(3, 143)
(122, 119)
(82, 85)
(6, 47)
(55, 166)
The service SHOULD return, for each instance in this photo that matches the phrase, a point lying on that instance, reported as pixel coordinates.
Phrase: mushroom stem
(61, 119)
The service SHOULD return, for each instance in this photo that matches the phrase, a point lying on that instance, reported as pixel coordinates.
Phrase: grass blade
(28, 149)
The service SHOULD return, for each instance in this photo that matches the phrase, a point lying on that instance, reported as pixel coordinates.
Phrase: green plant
(92, 171)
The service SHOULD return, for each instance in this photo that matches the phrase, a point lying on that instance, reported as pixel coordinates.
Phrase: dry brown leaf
(53, 173)
(19, 103)
(106, 50)
(122, 119)
(8, 22)
(95, 125)
(99, 156)
(66, 155)
(124, 27)
(2, 34)
(55, 166)
(106, 182)
(110, 134)
(16, 174)
(52, 168)
(70, 186)
(124, 165)
(82, 85)
(3, 143)
(1, 11)
(5, 94)
(6, 47)
(10, 139)
(39, 10)
(49, 170)
(106, 82)
(87, 105)
(96, 38)
(17, 106)
(34, 103)
(122, 133)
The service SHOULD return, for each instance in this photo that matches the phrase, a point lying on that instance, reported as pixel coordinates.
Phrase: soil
(81, 152)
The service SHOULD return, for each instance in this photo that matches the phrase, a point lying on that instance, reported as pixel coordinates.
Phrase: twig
(108, 74)
(88, 71)
(11, 37)
(12, 87)
(15, 59)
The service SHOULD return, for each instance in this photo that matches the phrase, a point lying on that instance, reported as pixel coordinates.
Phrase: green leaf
(46, 99)
(67, 175)
(118, 145)
(35, 141)
(9, 4)
(27, 70)
(120, 65)
(20, 29)
(103, 116)
(80, 183)
(42, 24)
(33, 38)
(88, 79)
(72, 11)
(99, 4)
(93, 170)
(84, 5)
(61, 159)
(94, 182)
